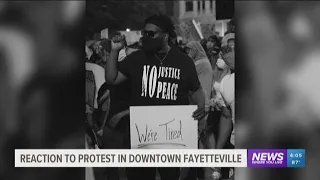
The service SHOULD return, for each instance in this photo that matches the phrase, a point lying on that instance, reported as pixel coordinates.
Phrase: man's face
(154, 32)
(210, 44)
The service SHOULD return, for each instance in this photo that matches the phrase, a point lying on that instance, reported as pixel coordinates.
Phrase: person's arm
(89, 117)
(116, 118)
(225, 127)
(228, 93)
(196, 93)
(112, 75)
(198, 98)
(105, 105)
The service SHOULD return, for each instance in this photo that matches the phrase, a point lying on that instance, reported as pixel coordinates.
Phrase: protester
(205, 74)
(88, 51)
(96, 47)
(173, 42)
(225, 124)
(204, 70)
(223, 88)
(91, 55)
(203, 43)
(157, 53)
(213, 49)
(227, 88)
(104, 50)
(230, 27)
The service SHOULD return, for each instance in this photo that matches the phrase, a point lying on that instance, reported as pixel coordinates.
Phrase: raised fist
(118, 42)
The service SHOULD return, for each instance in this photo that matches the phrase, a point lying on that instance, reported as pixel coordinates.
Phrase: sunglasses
(148, 33)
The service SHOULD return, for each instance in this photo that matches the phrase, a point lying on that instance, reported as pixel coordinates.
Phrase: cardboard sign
(104, 34)
(163, 127)
(189, 31)
(208, 30)
(131, 36)
(98, 75)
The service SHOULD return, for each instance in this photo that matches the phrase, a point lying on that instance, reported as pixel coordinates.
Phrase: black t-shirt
(152, 84)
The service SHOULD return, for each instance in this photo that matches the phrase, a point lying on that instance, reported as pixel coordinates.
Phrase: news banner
(253, 158)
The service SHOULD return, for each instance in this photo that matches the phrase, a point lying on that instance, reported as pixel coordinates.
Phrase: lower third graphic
(267, 158)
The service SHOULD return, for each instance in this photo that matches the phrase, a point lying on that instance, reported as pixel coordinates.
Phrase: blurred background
(42, 83)
(277, 85)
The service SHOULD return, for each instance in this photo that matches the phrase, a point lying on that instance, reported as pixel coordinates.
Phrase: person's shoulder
(181, 56)
(135, 55)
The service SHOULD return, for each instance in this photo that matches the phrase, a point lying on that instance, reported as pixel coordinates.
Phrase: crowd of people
(206, 79)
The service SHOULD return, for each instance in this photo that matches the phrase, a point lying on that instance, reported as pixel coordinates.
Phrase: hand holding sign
(199, 114)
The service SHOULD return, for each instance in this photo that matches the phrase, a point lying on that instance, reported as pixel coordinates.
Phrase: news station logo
(267, 158)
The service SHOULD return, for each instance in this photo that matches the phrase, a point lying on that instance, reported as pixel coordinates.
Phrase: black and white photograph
(160, 75)
(140, 89)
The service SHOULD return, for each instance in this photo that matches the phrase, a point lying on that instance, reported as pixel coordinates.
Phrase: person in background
(122, 53)
(88, 51)
(228, 39)
(106, 136)
(230, 27)
(227, 88)
(225, 64)
(91, 55)
(96, 47)
(173, 42)
(205, 74)
(219, 103)
(104, 49)
(213, 49)
(203, 43)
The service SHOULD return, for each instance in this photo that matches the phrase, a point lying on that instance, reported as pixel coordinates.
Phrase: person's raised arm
(112, 75)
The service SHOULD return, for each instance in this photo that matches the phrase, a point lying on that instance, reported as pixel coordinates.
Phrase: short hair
(164, 22)
(216, 40)
(106, 45)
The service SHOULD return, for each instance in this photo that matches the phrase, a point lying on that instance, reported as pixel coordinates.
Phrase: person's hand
(115, 120)
(100, 132)
(212, 102)
(192, 53)
(199, 113)
(89, 110)
(118, 42)
(219, 102)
